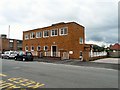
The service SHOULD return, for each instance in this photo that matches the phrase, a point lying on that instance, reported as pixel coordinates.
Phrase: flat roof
(61, 23)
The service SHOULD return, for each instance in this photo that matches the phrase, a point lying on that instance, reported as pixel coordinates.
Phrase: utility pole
(9, 31)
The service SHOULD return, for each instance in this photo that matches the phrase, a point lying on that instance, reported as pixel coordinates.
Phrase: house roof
(115, 47)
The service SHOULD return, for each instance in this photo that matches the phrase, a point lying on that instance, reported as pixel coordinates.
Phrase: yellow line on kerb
(3, 75)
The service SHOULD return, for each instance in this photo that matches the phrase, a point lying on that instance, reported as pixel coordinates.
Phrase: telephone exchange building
(65, 40)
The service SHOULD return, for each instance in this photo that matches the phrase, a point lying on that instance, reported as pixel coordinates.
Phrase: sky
(99, 17)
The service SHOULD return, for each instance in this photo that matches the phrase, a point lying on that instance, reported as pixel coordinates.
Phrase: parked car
(9, 54)
(24, 56)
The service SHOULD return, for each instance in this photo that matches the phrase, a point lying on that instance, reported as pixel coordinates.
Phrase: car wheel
(23, 59)
(7, 57)
(2, 57)
(15, 58)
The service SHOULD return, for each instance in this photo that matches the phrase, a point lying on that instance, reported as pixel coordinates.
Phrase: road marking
(3, 75)
(20, 82)
(4, 84)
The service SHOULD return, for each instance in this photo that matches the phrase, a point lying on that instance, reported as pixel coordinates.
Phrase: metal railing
(52, 54)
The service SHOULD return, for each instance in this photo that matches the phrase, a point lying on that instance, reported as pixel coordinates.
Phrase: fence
(52, 54)
(97, 54)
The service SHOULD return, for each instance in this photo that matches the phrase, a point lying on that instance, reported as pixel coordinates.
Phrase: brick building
(65, 40)
(9, 44)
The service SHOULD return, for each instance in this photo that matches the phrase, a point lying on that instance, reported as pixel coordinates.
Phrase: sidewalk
(110, 63)
(108, 60)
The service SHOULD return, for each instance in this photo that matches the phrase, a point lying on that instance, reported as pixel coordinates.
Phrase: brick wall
(66, 43)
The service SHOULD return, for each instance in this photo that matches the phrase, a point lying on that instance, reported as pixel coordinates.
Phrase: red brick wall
(68, 42)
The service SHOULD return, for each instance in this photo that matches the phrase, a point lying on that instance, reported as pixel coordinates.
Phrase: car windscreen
(21, 53)
(28, 54)
(12, 53)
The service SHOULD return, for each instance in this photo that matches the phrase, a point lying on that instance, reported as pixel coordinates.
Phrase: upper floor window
(54, 32)
(81, 40)
(46, 33)
(38, 34)
(64, 31)
(32, 35)
(26, 36)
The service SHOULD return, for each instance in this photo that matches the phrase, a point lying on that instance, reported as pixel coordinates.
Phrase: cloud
(100, 17)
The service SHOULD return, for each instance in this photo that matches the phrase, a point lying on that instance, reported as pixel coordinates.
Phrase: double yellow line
(3, 75)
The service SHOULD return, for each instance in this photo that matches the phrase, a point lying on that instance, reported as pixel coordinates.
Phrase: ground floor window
(45, 48)
(26, 48)
(38, 48)
(32, 48)
(81, 55)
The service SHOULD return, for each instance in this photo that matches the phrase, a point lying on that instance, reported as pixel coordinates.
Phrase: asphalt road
(18, 74)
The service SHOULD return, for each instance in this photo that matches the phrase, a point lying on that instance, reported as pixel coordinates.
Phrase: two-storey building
(9, 44)
(65, 40)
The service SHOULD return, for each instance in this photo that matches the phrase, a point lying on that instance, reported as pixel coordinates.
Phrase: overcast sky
(99, 17)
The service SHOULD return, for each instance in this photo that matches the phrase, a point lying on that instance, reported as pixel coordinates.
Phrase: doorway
(54, 51)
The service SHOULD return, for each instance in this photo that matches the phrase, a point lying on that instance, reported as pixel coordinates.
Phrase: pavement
(108, 60)
(110, 63)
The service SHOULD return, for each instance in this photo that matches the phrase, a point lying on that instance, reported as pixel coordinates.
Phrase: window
(32, 35)
(45, 48)
(46, 33)
(11, 41)
(32, 48)
(26, 48)
(54, 32)
(64, 31)
(80, 53)
(81, 40)
(38, 34)
(38, 48)
(26, 36)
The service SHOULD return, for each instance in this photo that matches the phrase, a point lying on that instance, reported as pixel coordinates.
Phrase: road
(18, 74)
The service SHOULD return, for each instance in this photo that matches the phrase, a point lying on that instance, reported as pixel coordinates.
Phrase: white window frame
(44, 48)
(80, 42)
(26, 47)
(54, 32)
(32, 49)
(32, 35)
(38, 34)
(44, 33)
(37, 48)
(26, 36)
(60, 30)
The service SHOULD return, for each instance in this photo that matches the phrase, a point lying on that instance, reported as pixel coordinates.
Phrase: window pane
(38, 48)
(55, 32)
(46, 33)
(52, 32)
(65, 30)
(62, 32)
(81, 40)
